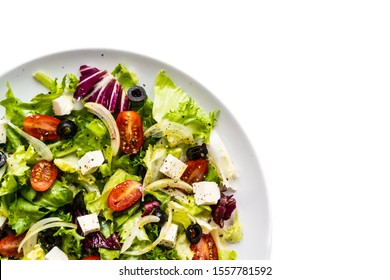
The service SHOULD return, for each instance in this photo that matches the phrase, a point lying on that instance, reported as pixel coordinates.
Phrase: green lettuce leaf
(14, 107)
(126, 78)
(167, 96)
(171, 103)
(95, 203)
(17, 162)
(56, 196)
(23, 214)
(233, 232)
(8, 185)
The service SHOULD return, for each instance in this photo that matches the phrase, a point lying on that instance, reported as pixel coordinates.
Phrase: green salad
(94, 168)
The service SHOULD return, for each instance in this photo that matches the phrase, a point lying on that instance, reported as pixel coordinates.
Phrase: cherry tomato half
(205, 249)
(9, 245)
(124, 195)
(130, 130)
(41, 126)
(196, 171)
(43, 175)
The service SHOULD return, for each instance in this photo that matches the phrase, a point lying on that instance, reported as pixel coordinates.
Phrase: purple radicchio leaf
(149, 207)
(92, 240)
(223, 210)
(77, 208)
(101, 87)
(96, 240)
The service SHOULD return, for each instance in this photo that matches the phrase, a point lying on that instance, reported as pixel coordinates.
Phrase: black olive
(48, 240)
(3, 159)
(136, 94)
(194, 233)
(161, 214)
(66, 129)
(197, 152)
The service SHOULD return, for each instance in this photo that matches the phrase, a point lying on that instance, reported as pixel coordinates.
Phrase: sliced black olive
(48, 240)
(136, 94)
(194, 233)
(162, 215)
(3, 159)
(66, 129)
(197, 152)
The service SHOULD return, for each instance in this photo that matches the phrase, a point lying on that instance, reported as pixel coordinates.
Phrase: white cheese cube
(63, 105)
(90, 162)
(3, 132)
(170, 238)
(89, 223)
(56, 254)
(2, 222)
(173, 167)
(206, 193)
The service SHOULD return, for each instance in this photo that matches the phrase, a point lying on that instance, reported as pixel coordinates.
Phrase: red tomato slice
(43, 175)
(196, 171)
(9, 245)
(124, 195)
(41, 126)
(91, 258)
(131, 132)
(205, 249)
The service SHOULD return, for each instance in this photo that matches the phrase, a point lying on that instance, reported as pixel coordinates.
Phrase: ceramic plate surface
(251, 194)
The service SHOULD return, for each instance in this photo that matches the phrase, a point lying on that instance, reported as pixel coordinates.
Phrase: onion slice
(133, 233)
(102, 113)
(163, 233)
(31, 236)
(169, 183)
(175, 133)
(41, 148)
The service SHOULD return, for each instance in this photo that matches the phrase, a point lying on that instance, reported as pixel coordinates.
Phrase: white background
(308, 80)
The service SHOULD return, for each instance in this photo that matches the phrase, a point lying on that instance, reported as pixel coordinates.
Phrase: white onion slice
(102, 113)
(169, 183)
(134, 231)
(41, 148)
(35, 229)
(163, 233)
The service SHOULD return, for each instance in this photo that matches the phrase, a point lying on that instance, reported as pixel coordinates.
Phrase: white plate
(251, 194)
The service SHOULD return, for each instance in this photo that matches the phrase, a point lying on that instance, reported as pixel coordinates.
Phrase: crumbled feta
(89, 223)
(90, 162)
(3, 132)
(170, 238)
(2, 222)
(173, 167)
(56, 254)
(206, 193)
(63, 105)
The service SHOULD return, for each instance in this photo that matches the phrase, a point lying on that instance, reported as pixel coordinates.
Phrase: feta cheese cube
(56, 254)
(173, 167)
(2, 222)
(89, 223)
(206, 193)
(63, 105)
(3, 130)
(170, 238)
(90, 162)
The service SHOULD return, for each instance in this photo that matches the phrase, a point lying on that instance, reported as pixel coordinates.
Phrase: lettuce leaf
(171, 103)
(23, 214)
(56, 196)
(14, 107)
(95, 203)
